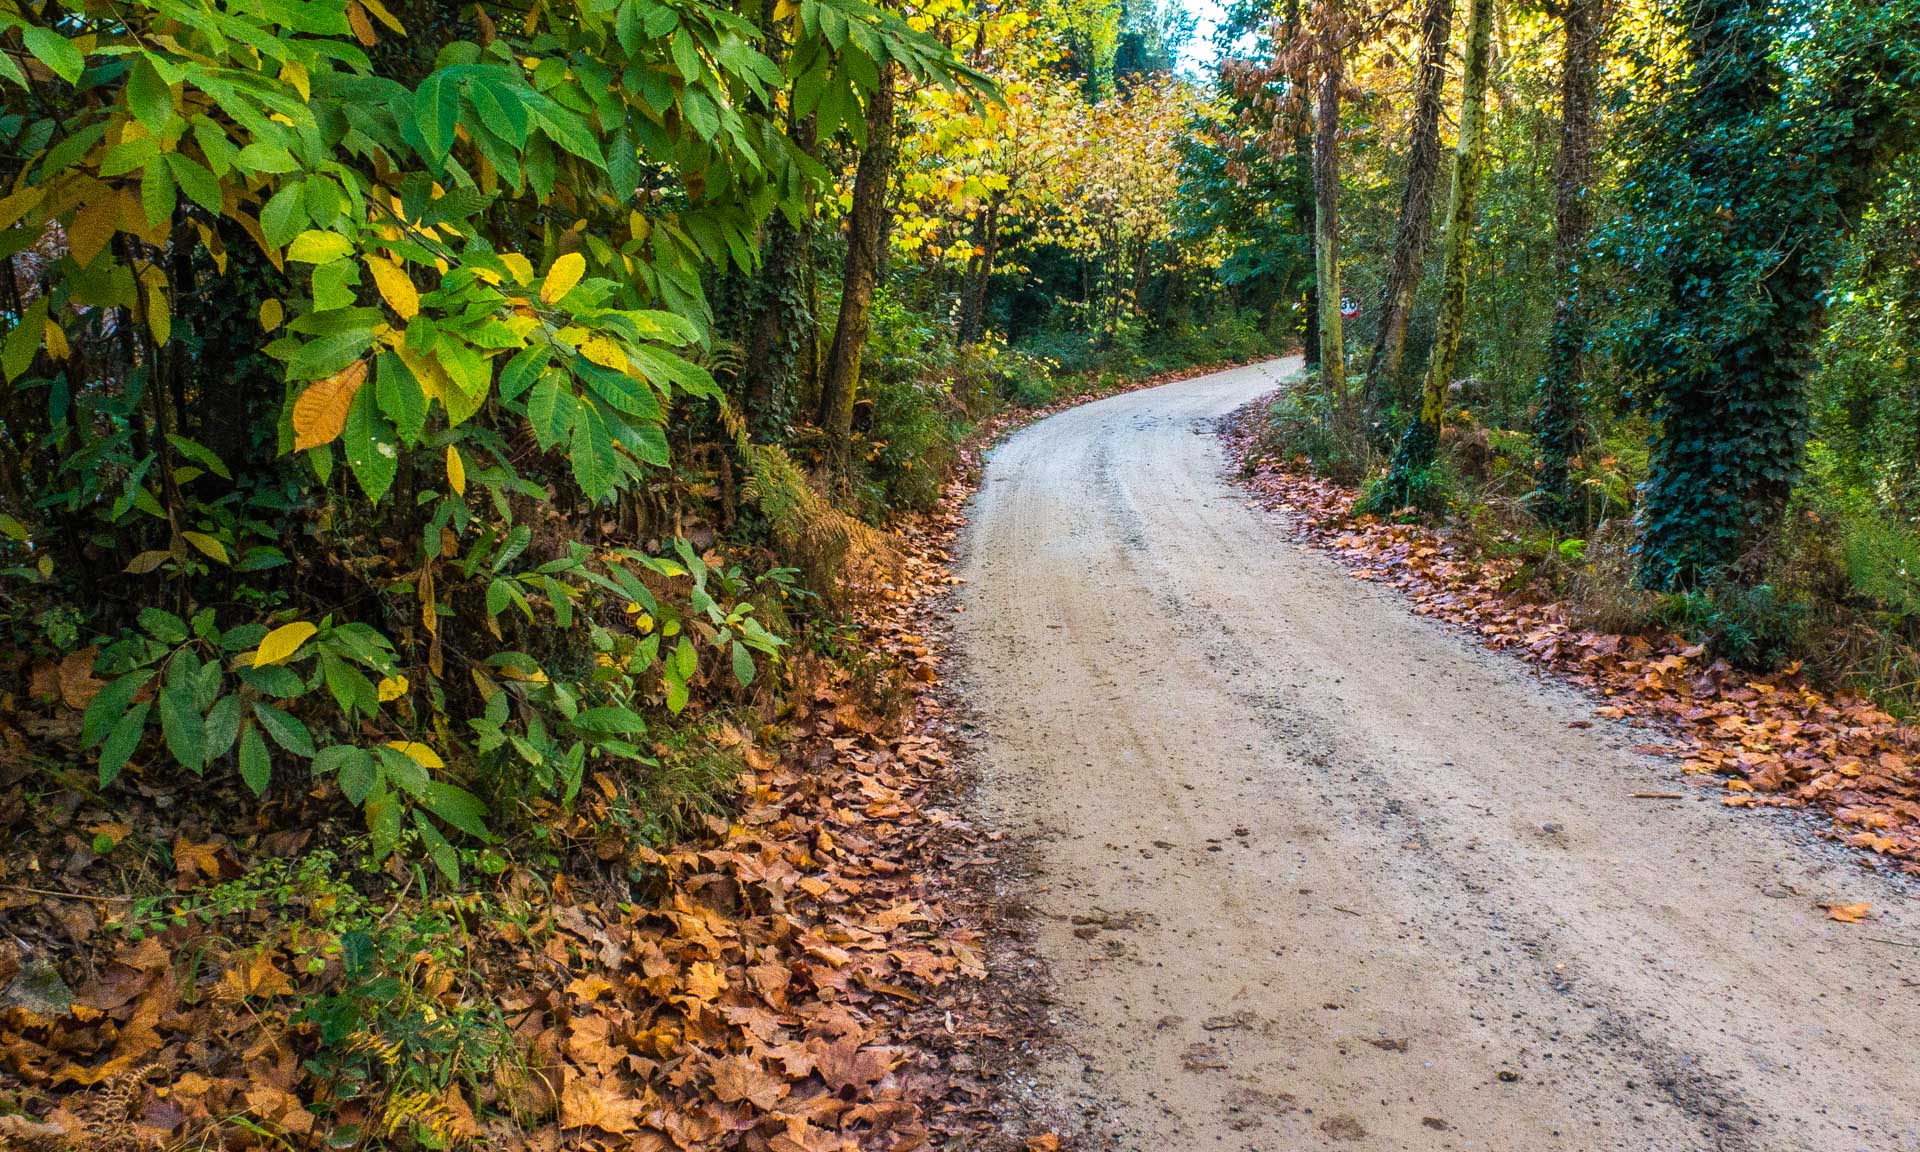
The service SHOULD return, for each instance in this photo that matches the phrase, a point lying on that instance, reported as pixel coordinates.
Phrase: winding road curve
(1314, 872)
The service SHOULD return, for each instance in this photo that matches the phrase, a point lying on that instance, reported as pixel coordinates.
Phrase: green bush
(1302, 424)
(1760, 628)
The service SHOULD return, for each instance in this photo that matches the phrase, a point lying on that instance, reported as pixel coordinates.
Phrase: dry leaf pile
(1775, 740)
(760, 1001)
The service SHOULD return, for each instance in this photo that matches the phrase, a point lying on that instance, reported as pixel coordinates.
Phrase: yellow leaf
(417, 752)
(433, 378)
(564, 274)
(20, 203)
(316, 247)
(272, 313)
(159, 318)
(294, 73)
(206, 544)
(281, 643)
(391, 688)
(56, 341)
(380, 13)
(604, 352)
(456, 471)
(520, 266)
(396, 287)
(320, 414)
(93, 225)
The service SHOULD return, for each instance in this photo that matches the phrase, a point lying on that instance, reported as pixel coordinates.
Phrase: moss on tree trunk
(867, 223)
(1415, 455)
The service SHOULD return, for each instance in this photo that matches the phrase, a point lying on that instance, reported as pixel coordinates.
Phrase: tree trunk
(781, 322)
(1326, 223)
(1559, 433)
(1422, 439)
(1760, 179)
(1415, 228)
(867, 225)
(1303, 209)
(973, 310)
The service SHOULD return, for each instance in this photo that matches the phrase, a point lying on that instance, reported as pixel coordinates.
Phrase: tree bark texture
(1415, 229)
(1422, 439)
(1326, 222)
(1559, 429)
(867, 227)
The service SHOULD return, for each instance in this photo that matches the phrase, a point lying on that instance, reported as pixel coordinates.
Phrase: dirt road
(1315, 872)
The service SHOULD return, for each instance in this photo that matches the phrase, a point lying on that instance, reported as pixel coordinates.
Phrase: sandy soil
(1315, 872)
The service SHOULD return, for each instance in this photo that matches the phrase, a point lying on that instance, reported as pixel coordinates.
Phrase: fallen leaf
(1848, 913)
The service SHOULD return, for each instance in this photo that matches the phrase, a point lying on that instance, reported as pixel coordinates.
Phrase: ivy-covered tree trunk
(1326, 224)
(1422, 438)
(1558, 425)
(780, 319)
(867, 225)
(1415, 229)
(1781, 134)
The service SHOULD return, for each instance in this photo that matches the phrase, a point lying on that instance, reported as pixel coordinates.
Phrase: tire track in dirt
(1315, 872)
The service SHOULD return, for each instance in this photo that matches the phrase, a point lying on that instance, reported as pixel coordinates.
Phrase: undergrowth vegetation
(1674, 379)
(452, 469)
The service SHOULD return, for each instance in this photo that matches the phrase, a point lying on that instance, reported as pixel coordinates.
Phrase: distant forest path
(1313, 871)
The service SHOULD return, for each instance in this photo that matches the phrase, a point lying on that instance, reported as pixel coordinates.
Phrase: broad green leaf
(286, 731)
(256, 767)
(436, 110)
(121, 741)
(184, 727)
(56, 52)
(458, 807)
(371, 446)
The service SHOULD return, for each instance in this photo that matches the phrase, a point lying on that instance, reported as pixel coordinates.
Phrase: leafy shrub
(1756, 627)
(913, 428)
(1429, 492)
(239, 697)
(1302, 424)
(1602, 591)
